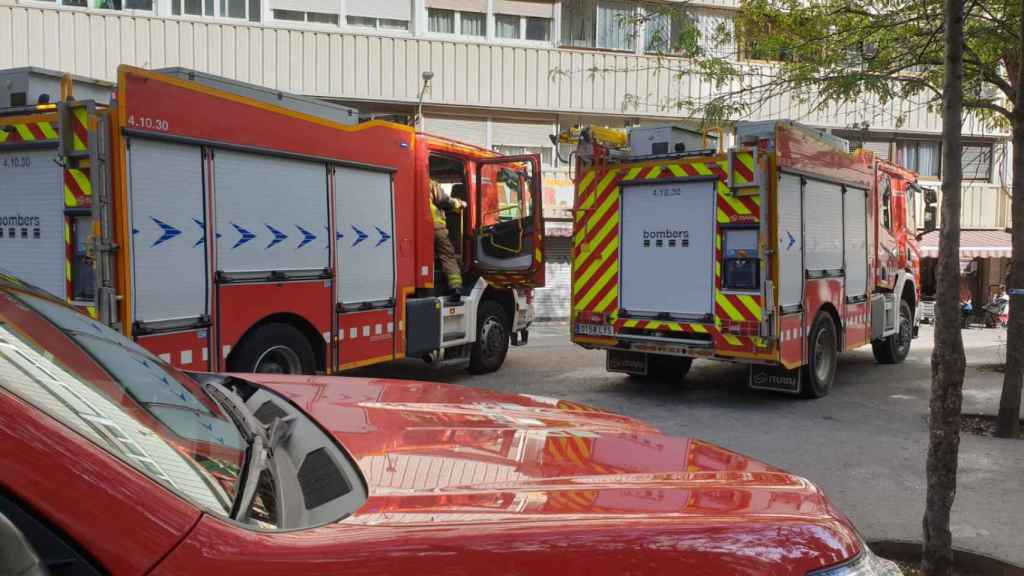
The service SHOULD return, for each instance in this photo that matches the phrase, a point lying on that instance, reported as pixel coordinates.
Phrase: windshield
(119, 396)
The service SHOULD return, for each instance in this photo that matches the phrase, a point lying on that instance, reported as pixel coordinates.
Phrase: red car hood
(440, 455)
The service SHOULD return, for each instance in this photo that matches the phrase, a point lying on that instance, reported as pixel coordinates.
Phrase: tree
(948, 361)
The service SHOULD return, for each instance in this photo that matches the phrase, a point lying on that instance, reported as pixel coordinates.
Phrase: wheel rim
(824, 353)
(492, 337)
(903, 340)
(278, 360)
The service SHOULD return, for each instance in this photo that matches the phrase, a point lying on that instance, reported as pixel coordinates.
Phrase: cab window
(885, 201)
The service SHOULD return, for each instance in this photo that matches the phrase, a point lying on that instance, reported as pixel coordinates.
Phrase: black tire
(274, 348)
(669, 369)
(822, 357)
(894, 349)
(492, 339)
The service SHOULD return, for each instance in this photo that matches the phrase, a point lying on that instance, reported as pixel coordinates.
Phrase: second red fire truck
(780, 253)
(228, 227)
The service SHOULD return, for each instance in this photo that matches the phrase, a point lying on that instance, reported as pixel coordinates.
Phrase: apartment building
(506, 75)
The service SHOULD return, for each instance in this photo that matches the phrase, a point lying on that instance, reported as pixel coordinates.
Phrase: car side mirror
(17, 556)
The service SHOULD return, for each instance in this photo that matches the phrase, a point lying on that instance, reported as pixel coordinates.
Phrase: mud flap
(627, 362)
(775, 378)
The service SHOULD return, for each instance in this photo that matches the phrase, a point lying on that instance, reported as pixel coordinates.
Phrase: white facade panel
(168, 218)
(790, 238)
(823, 225)
(32, 218)
(467, 130)
(667, 248)
(366, 249)
(271, 213)
(394, 9)
(855, 232)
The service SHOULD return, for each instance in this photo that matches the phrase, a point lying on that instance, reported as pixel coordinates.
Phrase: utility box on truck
(780, 252)
(227, 227)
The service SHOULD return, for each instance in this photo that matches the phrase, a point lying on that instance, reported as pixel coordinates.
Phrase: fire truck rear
(227, 227)
(781, 252)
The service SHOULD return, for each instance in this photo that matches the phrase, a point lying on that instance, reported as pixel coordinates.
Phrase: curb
(965, 559)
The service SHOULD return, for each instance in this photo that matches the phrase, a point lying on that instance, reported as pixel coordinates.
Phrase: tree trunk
(1008, 423)
(948, 362)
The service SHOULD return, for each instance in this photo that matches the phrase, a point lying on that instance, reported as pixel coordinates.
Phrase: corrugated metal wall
(353, 66)
(983, 207)
(552, 301)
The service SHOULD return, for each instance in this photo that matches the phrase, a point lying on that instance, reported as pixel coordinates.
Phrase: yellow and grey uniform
(439, 203)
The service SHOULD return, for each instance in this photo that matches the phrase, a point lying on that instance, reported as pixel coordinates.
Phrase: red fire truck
(228, 227)
(781, 252)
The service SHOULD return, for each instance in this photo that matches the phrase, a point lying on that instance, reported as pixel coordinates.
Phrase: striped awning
(973, 244)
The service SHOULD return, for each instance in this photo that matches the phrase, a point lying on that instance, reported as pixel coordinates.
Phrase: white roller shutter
(271, 213)
(521, 133)
(823, 225)
(366, 250)
(881, 149)
(468, 130)
(32, 218)
(855, 233)
(535, 8)
(790, 239)
(168, 231)
(392, 9)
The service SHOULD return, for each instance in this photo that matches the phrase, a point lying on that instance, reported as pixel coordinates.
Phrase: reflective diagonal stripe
(24, 132)
(731, 311)
(751, 305)
(47, 129)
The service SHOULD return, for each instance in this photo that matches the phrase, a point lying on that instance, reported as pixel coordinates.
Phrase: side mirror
(931, 210)
(17, 556)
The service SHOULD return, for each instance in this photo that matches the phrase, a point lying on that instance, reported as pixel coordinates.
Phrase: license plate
(595, 329)
(626, 362)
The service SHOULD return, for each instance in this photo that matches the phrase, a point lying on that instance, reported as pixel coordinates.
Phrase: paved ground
(864, 444)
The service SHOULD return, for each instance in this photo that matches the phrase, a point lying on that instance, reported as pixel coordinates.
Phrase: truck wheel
(823, 356)
(894, 349)
(492, 339)
(274, 349)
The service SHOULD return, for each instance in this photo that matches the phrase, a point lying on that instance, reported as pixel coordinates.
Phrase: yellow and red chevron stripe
(596, 246)
(28, 131)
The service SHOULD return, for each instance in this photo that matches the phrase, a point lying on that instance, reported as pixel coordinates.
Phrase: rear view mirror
(17, 556)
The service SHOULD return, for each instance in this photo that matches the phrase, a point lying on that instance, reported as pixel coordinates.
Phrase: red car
(115, 462)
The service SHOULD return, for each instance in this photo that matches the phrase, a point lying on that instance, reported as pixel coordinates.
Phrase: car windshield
(119, 396)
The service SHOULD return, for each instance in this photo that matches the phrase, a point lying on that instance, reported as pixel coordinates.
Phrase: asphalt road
(864, 444)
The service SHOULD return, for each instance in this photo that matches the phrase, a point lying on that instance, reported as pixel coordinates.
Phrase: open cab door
(508, 241)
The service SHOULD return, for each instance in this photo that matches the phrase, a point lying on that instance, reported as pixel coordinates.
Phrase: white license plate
(595, 329)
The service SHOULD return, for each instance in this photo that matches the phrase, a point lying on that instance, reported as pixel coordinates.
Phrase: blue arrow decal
(278, 236)
(246, 235)
(307, 236)
(384, 237)
(169, 231)
(360, 236)
(791, 240)
(135, 231)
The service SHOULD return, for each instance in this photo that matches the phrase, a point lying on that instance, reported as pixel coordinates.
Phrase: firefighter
(439, 204)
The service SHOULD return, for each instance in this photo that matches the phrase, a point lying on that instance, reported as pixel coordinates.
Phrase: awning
(973, 244)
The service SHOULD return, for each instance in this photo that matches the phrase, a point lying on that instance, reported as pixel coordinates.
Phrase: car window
(120, 397)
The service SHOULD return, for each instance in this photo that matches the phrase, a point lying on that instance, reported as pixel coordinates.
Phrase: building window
(377, 23)
(545, 152)
(920, 156)
(976, 162)
(311, 17)
(662, 31)
(239, 9)
(472, 24)
(76, 3)
(441, 21)
(115, 4)
(598, 24)
(538, 29)
(506, 26)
